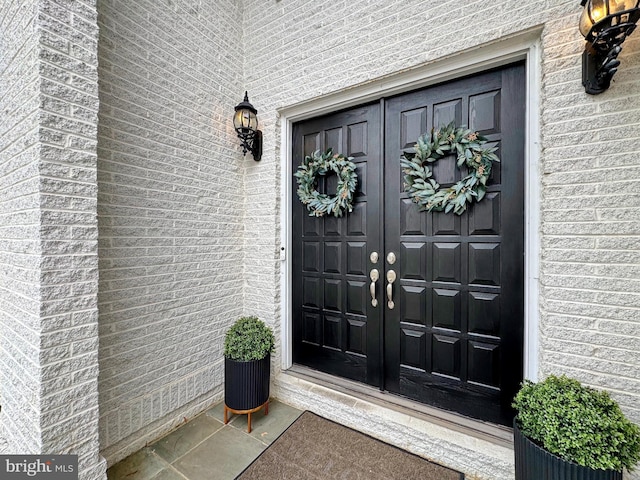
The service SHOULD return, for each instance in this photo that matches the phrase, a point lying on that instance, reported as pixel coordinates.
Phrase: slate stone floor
(205, 448)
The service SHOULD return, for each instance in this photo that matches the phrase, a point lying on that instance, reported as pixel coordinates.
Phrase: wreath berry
(431, 147)
(320, 164)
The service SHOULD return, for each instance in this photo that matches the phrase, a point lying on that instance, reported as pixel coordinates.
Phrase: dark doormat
(316, 448)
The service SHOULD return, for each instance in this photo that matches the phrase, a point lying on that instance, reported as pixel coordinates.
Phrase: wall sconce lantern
(605, 24)
(245, 121)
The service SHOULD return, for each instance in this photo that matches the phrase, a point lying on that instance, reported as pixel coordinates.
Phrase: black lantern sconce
(605, 24)
(245, 121)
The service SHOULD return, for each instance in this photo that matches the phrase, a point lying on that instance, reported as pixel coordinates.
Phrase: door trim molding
(522, 46)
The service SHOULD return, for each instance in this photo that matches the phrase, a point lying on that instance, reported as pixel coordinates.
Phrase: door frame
(522, 46)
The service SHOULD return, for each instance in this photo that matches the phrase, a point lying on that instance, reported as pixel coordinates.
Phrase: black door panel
(456, 339)
(336, 329)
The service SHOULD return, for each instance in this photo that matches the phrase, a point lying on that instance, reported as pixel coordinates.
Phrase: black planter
(246, 384)
(535, 463)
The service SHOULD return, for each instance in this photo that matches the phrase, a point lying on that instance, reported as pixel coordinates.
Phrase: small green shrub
(248, 339)
(577, 423)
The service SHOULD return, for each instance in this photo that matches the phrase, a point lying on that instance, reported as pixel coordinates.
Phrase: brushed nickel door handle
(374, 275)
(391, 277)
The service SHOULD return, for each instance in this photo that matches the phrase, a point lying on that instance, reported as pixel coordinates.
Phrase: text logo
(39, 467)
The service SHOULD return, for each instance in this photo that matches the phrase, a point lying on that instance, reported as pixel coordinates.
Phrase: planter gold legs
(248, 412)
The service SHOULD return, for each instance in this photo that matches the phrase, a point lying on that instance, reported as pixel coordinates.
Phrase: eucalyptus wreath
(320, 164)
(431, 147)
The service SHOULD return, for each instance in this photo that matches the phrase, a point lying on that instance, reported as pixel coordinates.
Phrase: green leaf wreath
(431, 147)
(318, 203)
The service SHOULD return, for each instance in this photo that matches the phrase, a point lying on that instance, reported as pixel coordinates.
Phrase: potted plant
(247, 356)
(566, 430)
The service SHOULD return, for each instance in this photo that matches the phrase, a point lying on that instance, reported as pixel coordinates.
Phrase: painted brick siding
(590, 309)
(69, 231)
(19, 228)
(171, 207)
(589, 313)
(49, 295)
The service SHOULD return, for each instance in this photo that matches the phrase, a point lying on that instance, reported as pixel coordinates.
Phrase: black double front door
(446, 326)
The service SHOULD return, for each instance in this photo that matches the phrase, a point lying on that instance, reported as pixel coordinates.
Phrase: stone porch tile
(142, 465)
(267, 428)
(217, 412)
(169, 474)
(204, 448)
(222, 456)
(188, 436)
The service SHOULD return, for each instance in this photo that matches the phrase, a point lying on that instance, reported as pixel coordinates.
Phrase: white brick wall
(590, 317)
(49, 227)
(171, 203)
(19, 227)
(590, 262)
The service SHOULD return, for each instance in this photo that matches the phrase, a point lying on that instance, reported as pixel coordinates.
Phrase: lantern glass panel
(585, 22)
(245, 120)
(598, 9)
(617, 6)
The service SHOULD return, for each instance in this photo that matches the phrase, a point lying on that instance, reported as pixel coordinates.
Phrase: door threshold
(496, 434)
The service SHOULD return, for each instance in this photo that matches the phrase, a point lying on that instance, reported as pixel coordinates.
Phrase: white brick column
(48, 224)
(19, 228)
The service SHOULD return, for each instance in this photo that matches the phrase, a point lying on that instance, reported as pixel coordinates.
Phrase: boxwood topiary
(248, 339)
(577, 423)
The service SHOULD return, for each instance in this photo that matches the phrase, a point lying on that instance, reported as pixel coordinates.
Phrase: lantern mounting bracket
(604, 39)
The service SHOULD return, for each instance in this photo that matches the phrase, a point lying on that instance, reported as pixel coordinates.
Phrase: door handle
(374, 275)
(391, 277)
